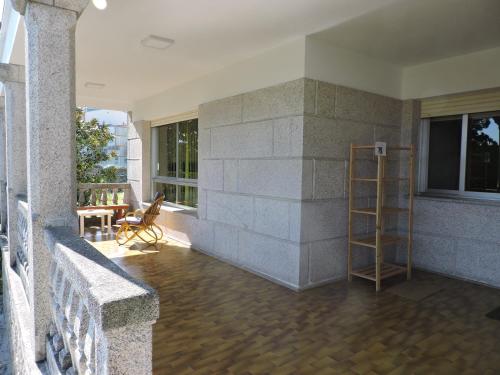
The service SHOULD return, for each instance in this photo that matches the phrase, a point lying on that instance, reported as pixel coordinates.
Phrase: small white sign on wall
(380, 148)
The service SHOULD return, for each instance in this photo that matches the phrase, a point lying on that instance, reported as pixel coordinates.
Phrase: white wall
(319, 60)
(325, 62)
(281, 64)
(475, 71)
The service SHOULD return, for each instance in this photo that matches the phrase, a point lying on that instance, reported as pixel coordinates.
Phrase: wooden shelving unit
(377, 241)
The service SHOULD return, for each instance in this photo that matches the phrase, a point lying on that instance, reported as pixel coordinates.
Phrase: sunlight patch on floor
(111, 249)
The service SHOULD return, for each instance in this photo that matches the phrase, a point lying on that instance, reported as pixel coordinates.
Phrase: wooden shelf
(371, 241)
(371, 147)
(366, 179)
(378, 211)
(373, 211)
(386, 270)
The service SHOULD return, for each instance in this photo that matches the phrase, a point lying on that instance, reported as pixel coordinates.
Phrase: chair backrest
(154, 210)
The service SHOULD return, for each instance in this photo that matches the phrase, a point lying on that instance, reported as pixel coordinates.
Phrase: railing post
(50, 78)
(12, 77)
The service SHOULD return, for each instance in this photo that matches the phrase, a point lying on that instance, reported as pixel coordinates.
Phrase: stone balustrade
(101, 318)
(21, 263)
(93, 193)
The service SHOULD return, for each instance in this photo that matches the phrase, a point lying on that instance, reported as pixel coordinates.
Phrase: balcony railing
(101, 317)
(22, 264)
(103, 194)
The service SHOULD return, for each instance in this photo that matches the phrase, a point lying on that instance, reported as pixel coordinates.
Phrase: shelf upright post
(351, 193)
(411, 186)
(378, 223)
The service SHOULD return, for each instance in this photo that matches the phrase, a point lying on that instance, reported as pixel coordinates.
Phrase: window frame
(424, 163)
(178, 181)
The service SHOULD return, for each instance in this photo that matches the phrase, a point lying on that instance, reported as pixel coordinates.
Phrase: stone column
(139, 162)
(50, 79)
(3, 171)
(12, 77)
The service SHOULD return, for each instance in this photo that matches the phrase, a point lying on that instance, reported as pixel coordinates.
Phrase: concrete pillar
(50, 79)
(12, 77)
(3, 171)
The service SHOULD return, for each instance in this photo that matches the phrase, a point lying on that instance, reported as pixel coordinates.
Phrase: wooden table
(82, 214)
(120, 209)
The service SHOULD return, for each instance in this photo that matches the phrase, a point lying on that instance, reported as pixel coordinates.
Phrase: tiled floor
(218, 319)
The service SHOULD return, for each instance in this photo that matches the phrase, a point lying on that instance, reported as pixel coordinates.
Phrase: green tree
(91, 139)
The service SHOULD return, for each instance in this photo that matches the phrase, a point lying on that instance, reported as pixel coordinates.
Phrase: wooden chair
(141, 224)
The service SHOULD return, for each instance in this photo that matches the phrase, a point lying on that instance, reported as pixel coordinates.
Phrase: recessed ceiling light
(100, 4)
(94, 85)
(157, 42)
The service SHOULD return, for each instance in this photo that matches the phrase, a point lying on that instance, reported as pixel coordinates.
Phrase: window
(461, 155)
(175, 161)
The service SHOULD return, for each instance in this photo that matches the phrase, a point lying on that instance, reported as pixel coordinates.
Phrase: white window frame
(424, 162)
(155, 167)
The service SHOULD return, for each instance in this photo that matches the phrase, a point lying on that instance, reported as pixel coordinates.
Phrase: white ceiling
(208, 36)
(414, 32)
(212, 34)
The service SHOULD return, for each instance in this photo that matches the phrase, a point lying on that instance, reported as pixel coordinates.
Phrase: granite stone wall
(273, 188)
(452, 236)
(457, 238)
(252, 184)
(342, 116)
(19, 330)
(273, 179)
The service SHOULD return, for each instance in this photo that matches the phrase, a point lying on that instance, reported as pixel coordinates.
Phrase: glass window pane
(188, 149)
(188, 196)
(482, 172)
(167, 150)
(168, 190)
(445, 137)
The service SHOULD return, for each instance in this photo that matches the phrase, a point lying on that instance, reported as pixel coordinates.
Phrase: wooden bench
(95, 196)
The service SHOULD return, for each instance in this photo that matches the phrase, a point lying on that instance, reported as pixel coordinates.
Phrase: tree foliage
(91, 140)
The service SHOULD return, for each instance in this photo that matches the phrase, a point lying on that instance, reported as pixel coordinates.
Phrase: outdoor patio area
(325, 175)
(217, 319)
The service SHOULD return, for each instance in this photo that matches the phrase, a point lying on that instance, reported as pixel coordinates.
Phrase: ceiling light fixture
(94, 85)
(157, 42)
(100, 4)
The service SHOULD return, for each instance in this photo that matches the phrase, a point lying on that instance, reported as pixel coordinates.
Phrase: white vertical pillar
(139, 161)
(3, 171)
(50, 79)
(12, 77)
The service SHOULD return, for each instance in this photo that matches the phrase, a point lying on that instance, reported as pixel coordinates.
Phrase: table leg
(109, 223)
(102, 224)
(82, 225)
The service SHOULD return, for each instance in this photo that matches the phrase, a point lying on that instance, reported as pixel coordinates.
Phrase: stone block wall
(273, 187)
(457, 238)
(252, 184)
(452, 236)
(273, 178)
(342, 116)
